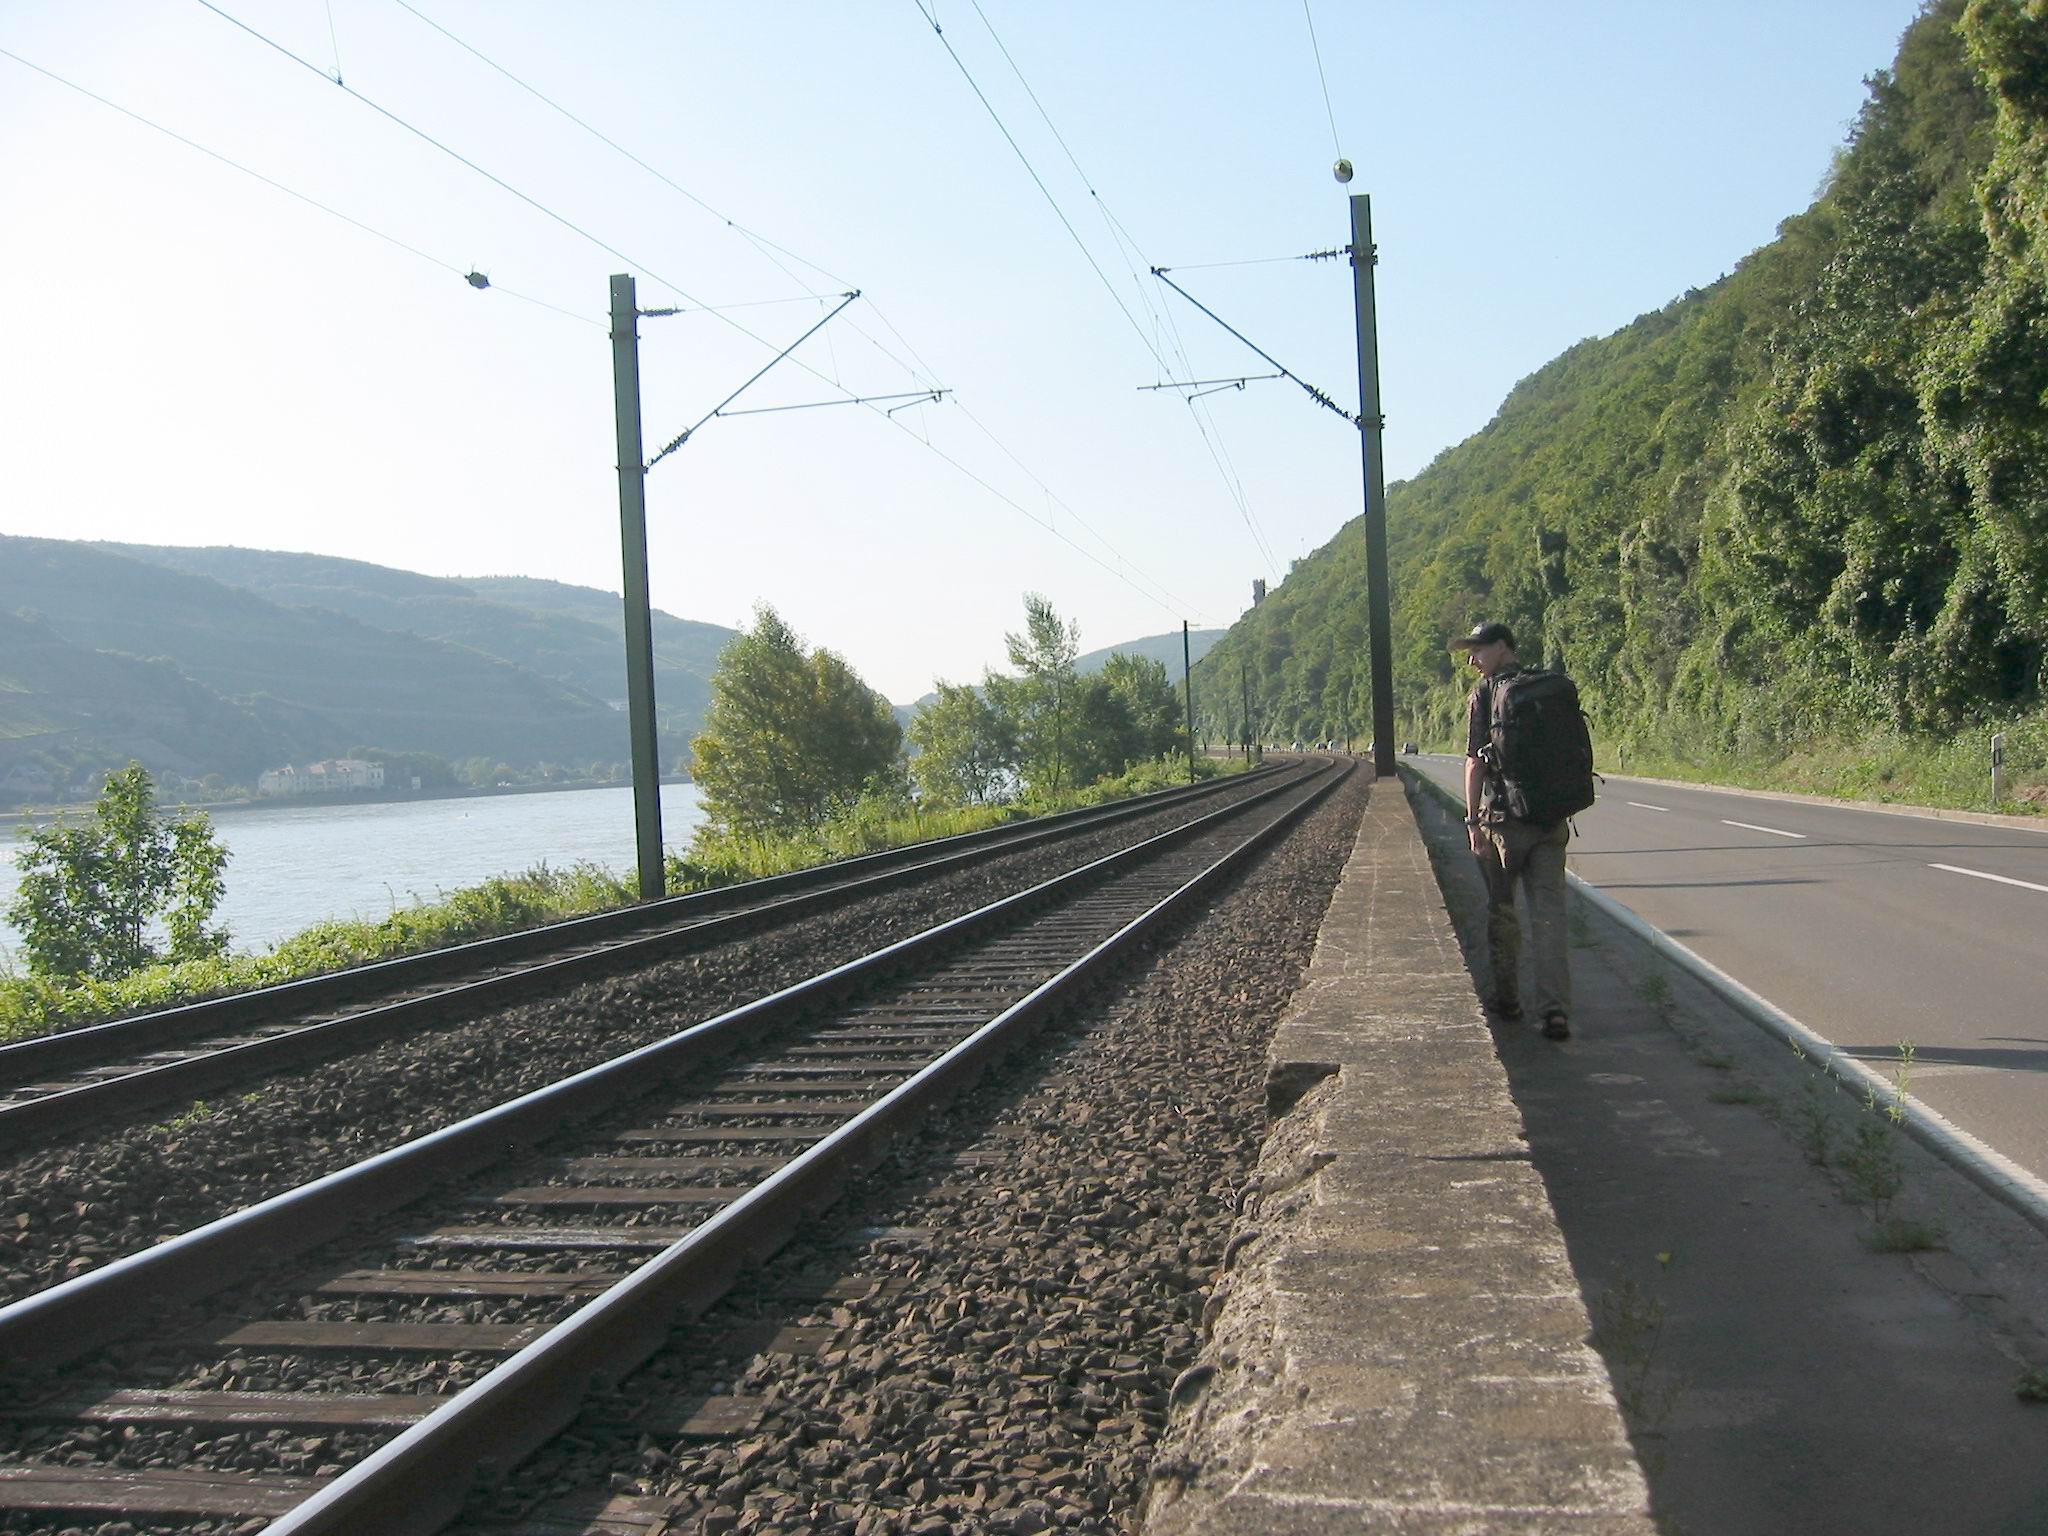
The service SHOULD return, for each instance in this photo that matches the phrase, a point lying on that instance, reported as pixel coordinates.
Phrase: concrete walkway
(1400, 1342)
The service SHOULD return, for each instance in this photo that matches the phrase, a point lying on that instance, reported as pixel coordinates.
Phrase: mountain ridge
(298, 679)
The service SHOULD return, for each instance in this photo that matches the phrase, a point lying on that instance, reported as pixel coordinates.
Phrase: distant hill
(64, 707)
(258, 657)
(1164, 649)
(685, 650)
(573, 635)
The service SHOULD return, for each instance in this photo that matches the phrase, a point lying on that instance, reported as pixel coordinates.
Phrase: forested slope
(1807, 502)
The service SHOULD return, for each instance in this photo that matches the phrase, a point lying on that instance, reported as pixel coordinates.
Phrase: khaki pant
(1532, 857)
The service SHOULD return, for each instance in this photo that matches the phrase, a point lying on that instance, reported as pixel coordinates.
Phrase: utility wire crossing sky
(332, 276)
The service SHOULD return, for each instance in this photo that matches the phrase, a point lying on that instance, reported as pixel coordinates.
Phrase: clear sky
(190, 356)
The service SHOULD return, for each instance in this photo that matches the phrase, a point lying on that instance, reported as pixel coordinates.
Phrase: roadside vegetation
(800, 763)
(1887, 767)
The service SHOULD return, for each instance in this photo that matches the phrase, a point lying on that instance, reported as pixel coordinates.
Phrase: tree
(1158, 724)
(1040, 702)
(967, 749)
(89, 894)
(791, 737)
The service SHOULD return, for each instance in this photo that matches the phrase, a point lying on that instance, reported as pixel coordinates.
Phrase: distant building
(336, 776)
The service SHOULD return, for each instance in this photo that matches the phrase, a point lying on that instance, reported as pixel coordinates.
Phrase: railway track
(98, 1074)
(363, 1393)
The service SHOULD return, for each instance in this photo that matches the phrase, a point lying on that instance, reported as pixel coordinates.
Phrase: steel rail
(418, 1482)
(809, 890)
(77, 1315)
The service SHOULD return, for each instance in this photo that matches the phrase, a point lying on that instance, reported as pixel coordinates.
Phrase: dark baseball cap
(1485, 634)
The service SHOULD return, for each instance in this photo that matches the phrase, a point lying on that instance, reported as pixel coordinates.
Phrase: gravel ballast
(1036, 1267)
(66, 1210)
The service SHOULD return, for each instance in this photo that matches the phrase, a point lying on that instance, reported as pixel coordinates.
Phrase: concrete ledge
(1398, 1342)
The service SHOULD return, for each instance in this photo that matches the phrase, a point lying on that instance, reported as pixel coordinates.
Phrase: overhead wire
(753, 237)
(292, 192)
(1309, 16)
(770, 250)
(1128, 247)
(922, 373)
(1120, 571)
(334, 42)
(1037, 180)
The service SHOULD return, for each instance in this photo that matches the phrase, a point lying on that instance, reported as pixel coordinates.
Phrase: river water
(292, 867)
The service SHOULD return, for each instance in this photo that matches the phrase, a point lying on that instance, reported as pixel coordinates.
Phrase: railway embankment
(1398, 1341)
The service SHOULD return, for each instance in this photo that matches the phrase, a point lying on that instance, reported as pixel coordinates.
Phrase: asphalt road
(1870, 928)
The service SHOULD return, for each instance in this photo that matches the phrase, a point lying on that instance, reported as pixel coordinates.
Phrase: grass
(38, 1005)
(716, 857)
(1952, 772)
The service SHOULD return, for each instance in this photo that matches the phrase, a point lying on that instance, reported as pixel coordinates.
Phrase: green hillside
(316, 682)
(685, 650)
(571, 635)
(1806, 503)
(66, 709)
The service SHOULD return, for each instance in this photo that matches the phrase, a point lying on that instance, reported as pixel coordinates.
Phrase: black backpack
(1541, 754)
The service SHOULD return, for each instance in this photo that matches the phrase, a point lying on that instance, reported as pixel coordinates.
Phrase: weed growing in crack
(1870, 1164)
(1656, 991)
(1579, 930)
(1898, 1234)
(1739, 1093)
(1628, 1325)
(1813, 1127)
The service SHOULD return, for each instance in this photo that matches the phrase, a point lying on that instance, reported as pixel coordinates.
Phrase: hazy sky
(190, 356)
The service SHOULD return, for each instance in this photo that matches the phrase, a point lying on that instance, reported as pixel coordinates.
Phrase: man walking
(1513, 852)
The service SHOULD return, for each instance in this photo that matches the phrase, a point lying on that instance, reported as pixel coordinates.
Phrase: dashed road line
(1750, 826)
(1642, 807)
(1985, 874)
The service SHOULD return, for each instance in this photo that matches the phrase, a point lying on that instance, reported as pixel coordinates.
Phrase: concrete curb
(1992, 1171)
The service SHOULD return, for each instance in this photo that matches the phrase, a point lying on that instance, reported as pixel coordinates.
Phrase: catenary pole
(1363, 258)
(639, 620)
(1187, 672)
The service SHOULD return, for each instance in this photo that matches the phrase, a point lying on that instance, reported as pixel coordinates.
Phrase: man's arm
(1475, 778)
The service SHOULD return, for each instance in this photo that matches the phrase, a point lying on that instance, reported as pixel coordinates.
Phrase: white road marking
(1984, 874)
(1750, 826)
(1642, 807)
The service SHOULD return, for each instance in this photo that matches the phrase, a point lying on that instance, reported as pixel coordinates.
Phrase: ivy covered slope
(1807, 504)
